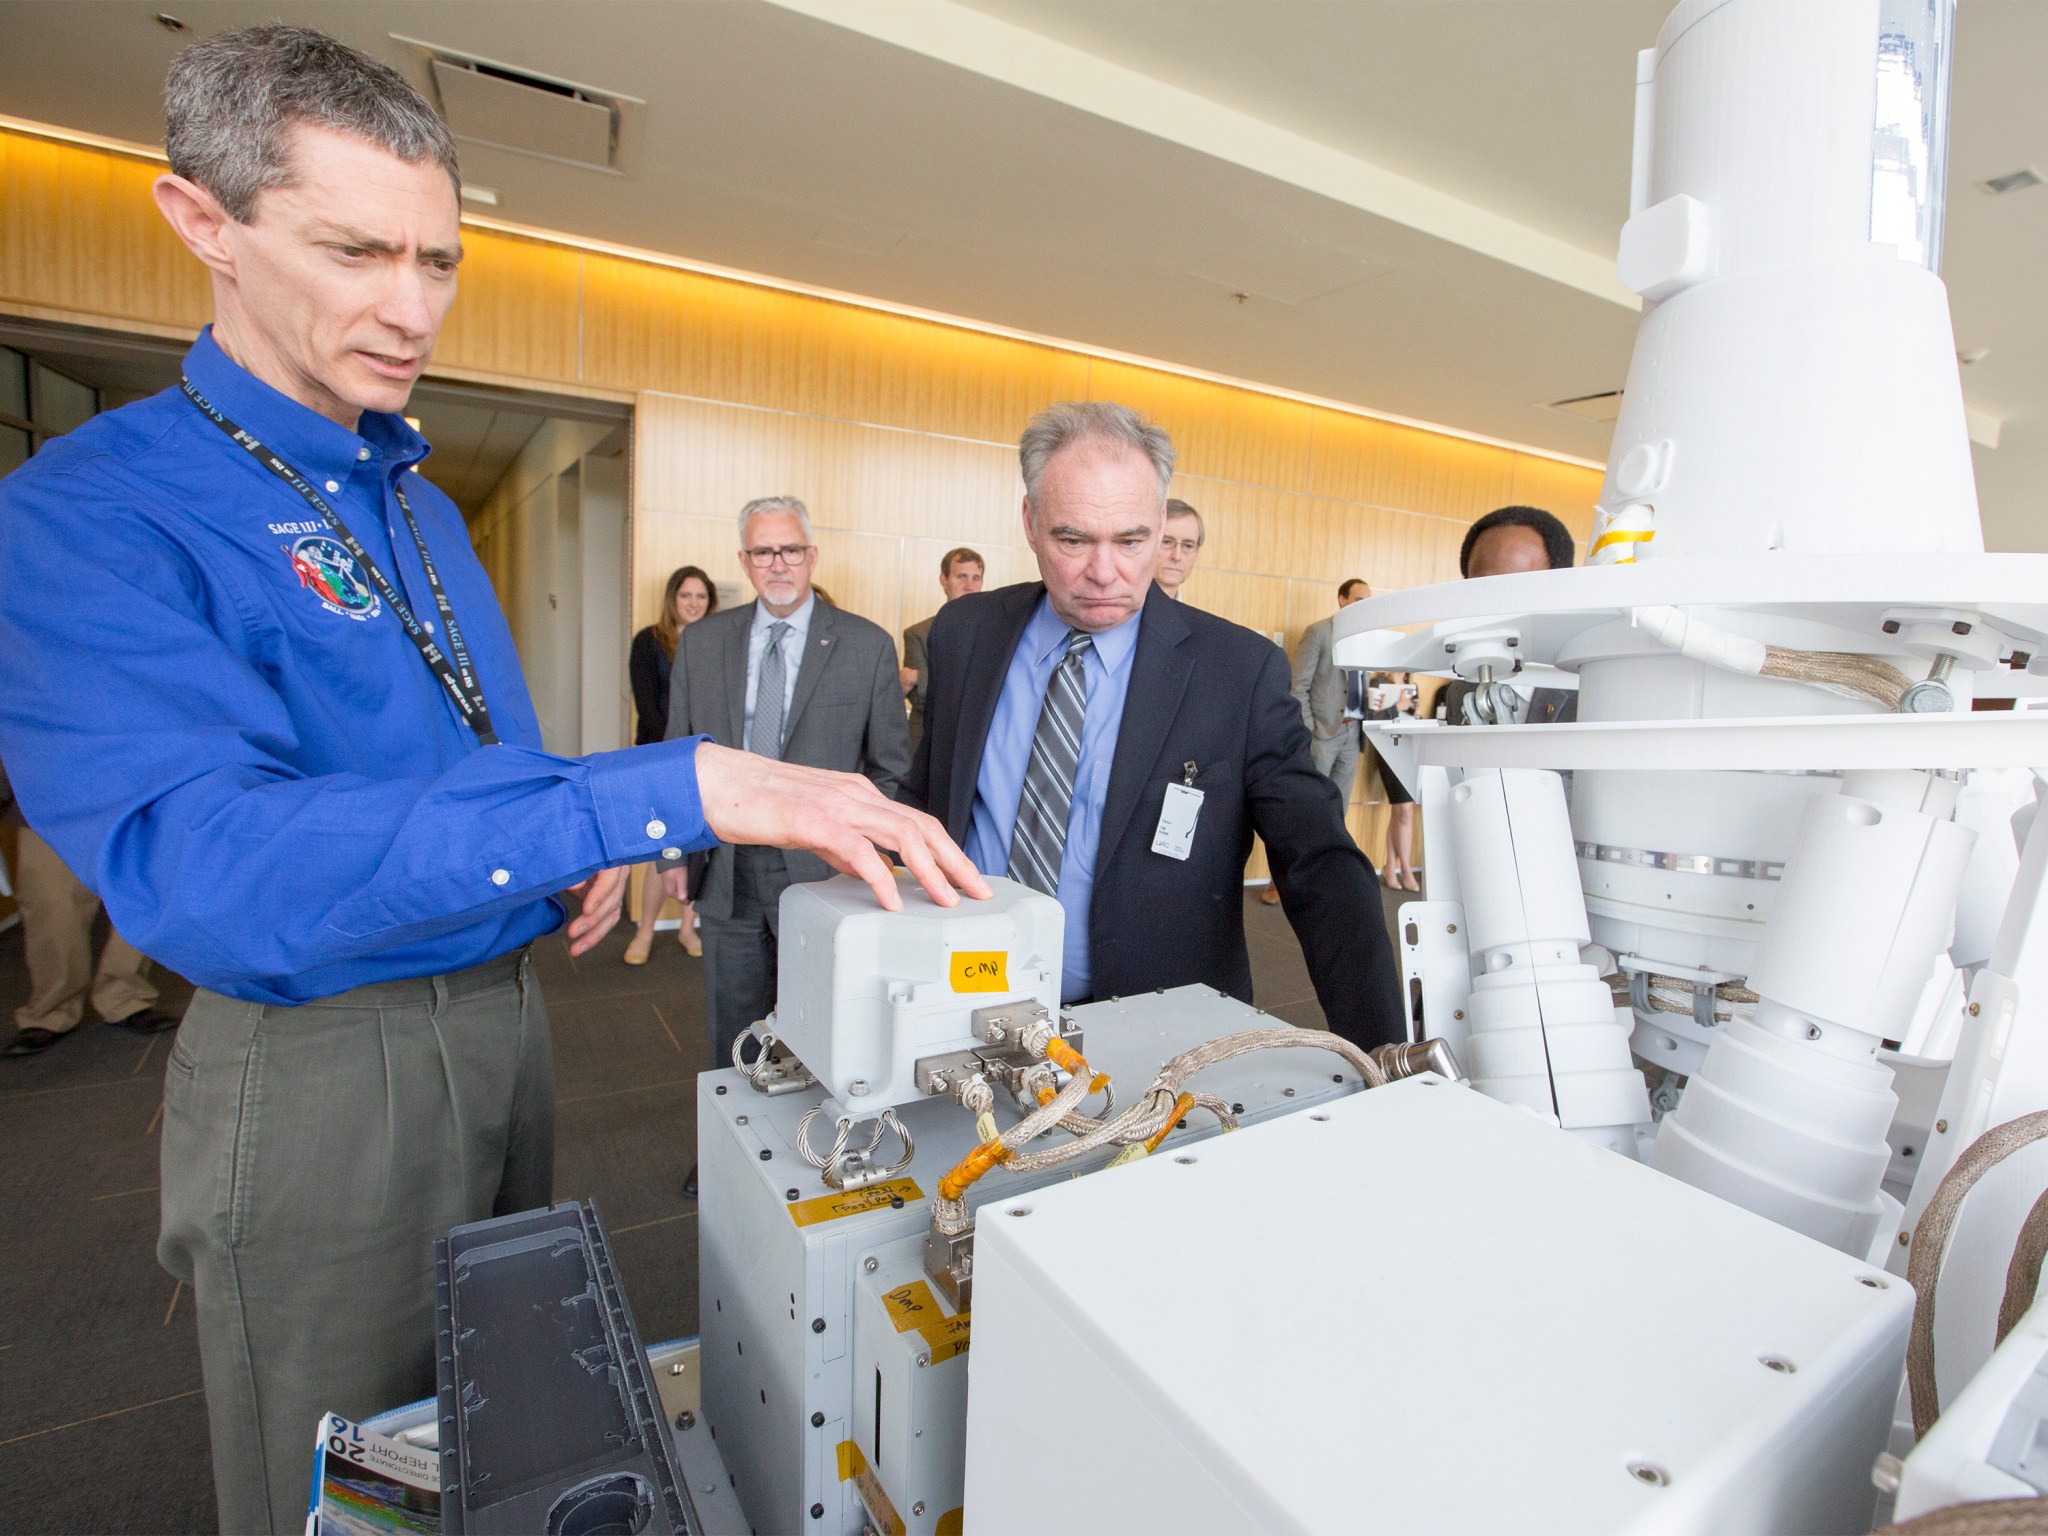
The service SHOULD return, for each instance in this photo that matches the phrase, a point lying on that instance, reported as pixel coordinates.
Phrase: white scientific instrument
(1795, 845)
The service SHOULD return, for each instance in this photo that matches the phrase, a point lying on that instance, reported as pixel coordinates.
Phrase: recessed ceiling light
(169, 22)
(488, 196)
(1969, 355)
(2013, 181)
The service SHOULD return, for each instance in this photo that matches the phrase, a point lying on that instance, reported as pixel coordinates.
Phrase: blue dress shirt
(1003, 761)
(268, 788)
(793, 643)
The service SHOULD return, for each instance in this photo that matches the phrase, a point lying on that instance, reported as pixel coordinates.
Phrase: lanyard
(457, 676)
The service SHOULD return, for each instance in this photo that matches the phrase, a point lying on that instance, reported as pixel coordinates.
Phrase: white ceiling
(1420, 196)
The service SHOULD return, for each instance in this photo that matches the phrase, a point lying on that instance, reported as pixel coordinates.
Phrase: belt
(425, 991)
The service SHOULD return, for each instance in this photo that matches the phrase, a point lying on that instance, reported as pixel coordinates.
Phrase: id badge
(1177, 817)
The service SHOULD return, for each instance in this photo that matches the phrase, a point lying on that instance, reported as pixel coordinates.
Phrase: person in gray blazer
(1333, 704)
(791, 677)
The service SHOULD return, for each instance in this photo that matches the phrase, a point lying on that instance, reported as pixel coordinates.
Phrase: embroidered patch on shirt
(331, 574)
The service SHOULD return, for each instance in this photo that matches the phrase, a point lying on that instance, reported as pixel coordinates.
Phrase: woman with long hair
(688, 596)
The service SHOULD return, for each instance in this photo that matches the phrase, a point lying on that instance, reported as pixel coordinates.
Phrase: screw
(870, 1265)
(1959, 627)
(1813, 1031)
(817, 1325)
(789, 1194)
(1287, 1093)
(1777, 1363)
(1905, 1238)
(1450, 928)
(1875, 1285)
(1891, 626)
(1941, 1126)
(1645, 1472)
(858, 1088)
(895, 1202)
(817, 1421)
(817, 1511)
(720, 1089)
(1457, 1013)
(1235, 1109)
(1975, 1009)
(766, 1155)
(686, 1420)
(924, 1360)
(936, 1083)
(997, 1034)
(1336, 1077)
(676, 1369)
(739, 1119)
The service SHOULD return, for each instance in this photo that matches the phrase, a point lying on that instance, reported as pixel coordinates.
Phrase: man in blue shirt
(1093, 738)
(257, 692)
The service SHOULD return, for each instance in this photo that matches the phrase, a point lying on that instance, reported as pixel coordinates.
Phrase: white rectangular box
(1417, 1309)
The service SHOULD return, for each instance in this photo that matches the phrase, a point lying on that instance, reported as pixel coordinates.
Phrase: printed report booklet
(367, 1484)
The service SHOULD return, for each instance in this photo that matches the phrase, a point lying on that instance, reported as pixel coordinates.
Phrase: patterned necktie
(765, 735)
(1039, 836)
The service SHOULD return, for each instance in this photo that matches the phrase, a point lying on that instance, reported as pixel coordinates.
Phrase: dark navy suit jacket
(1202, 691)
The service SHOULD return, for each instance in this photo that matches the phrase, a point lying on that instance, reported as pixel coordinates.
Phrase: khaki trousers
(56, 928)
(311, 1156)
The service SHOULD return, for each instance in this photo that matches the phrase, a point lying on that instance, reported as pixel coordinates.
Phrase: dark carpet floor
(102, 1422)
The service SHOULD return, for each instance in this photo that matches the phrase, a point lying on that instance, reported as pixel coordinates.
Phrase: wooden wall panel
(78, 231)
(516, 308)
(1569, 490)
(1219, 433)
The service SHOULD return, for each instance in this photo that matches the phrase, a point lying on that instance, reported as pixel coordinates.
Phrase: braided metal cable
(2023, 1273)
(1930, 1246)
(1988, 1517)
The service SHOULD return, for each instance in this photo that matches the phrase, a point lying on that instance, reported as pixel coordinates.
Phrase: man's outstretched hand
(841, 817)
(600, 896)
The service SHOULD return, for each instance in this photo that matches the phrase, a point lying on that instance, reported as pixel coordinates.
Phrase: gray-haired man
(311, 778)
(788, 677)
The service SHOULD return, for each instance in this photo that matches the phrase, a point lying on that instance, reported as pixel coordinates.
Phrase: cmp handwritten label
(894, 1194)
(981, 970)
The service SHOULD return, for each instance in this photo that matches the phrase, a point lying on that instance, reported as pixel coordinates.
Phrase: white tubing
(1699, 640)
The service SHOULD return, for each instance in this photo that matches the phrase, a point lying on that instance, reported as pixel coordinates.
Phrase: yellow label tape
(981, 970)
(913, 1308)
(854, 1466)
(950, 1523)
(853, 1202)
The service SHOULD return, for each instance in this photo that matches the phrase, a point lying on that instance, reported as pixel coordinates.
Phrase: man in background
(791, 677)
(56, 929)
(960, 572)
(1180, 544)
(1090, 737)
(1506, 541)
(1333, 704)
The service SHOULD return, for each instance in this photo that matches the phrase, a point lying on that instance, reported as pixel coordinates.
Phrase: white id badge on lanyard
(1177, 816)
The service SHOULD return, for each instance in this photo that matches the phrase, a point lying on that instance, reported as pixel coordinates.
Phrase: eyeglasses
(789, 554)
(1173, 546)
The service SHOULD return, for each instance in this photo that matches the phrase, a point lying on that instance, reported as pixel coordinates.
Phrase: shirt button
(671, 853)
(361, 454)
(657, 829)
(501, 877)
(333, 486)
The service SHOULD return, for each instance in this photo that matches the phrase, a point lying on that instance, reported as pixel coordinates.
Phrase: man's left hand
(602, 896)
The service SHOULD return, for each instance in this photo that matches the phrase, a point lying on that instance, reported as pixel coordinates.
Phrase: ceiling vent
(2013, 181)
(1590, 407)
(485, 102)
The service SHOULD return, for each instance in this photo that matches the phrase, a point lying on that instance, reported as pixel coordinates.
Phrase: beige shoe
(1270, 896)
(638, 948)
(687, 937)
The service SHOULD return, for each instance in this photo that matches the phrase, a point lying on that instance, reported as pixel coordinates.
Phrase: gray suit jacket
(917, 642)
(1317, 683)
(846, 713)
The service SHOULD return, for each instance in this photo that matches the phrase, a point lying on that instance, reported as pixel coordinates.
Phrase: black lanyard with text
(457, 676)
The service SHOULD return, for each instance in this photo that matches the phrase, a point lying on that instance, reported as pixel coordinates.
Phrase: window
(37, 403)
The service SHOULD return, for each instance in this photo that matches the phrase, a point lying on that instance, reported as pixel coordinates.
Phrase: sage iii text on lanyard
(458, 676)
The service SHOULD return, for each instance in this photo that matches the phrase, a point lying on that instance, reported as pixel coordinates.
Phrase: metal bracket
(949, 1261)
(777, 1071)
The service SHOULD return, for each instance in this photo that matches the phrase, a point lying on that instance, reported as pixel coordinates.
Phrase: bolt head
(1891, 626)
(686, 1420)
(817, 1325)
(720, 1089)
(1975, 1009)
(923, 1360)
(1941, 1126)
(1905, 1238)
(817, 1421)
(1959, 627)
(871, 1264)
(817, 1511)
(789, 1194)
(766, 1155)
(917, 1508)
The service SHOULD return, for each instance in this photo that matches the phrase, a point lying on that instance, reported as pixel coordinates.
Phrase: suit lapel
(738, 634)
(1159, 677)
(818, 648)
(983, 670)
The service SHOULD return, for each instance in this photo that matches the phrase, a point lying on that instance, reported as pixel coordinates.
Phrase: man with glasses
(788, 677)
(1180, 543)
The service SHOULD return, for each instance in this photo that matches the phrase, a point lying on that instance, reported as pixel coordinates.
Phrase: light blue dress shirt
(793, 645)
(1003, 761)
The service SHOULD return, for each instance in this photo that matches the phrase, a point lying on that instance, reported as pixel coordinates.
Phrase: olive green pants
(311, 1156)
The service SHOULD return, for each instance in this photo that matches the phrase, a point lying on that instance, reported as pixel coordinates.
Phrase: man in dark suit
(785, 676)
(960, 572)
(1087, 735)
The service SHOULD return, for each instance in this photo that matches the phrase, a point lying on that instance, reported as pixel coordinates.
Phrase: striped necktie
(764, 736)
(1039, 836)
